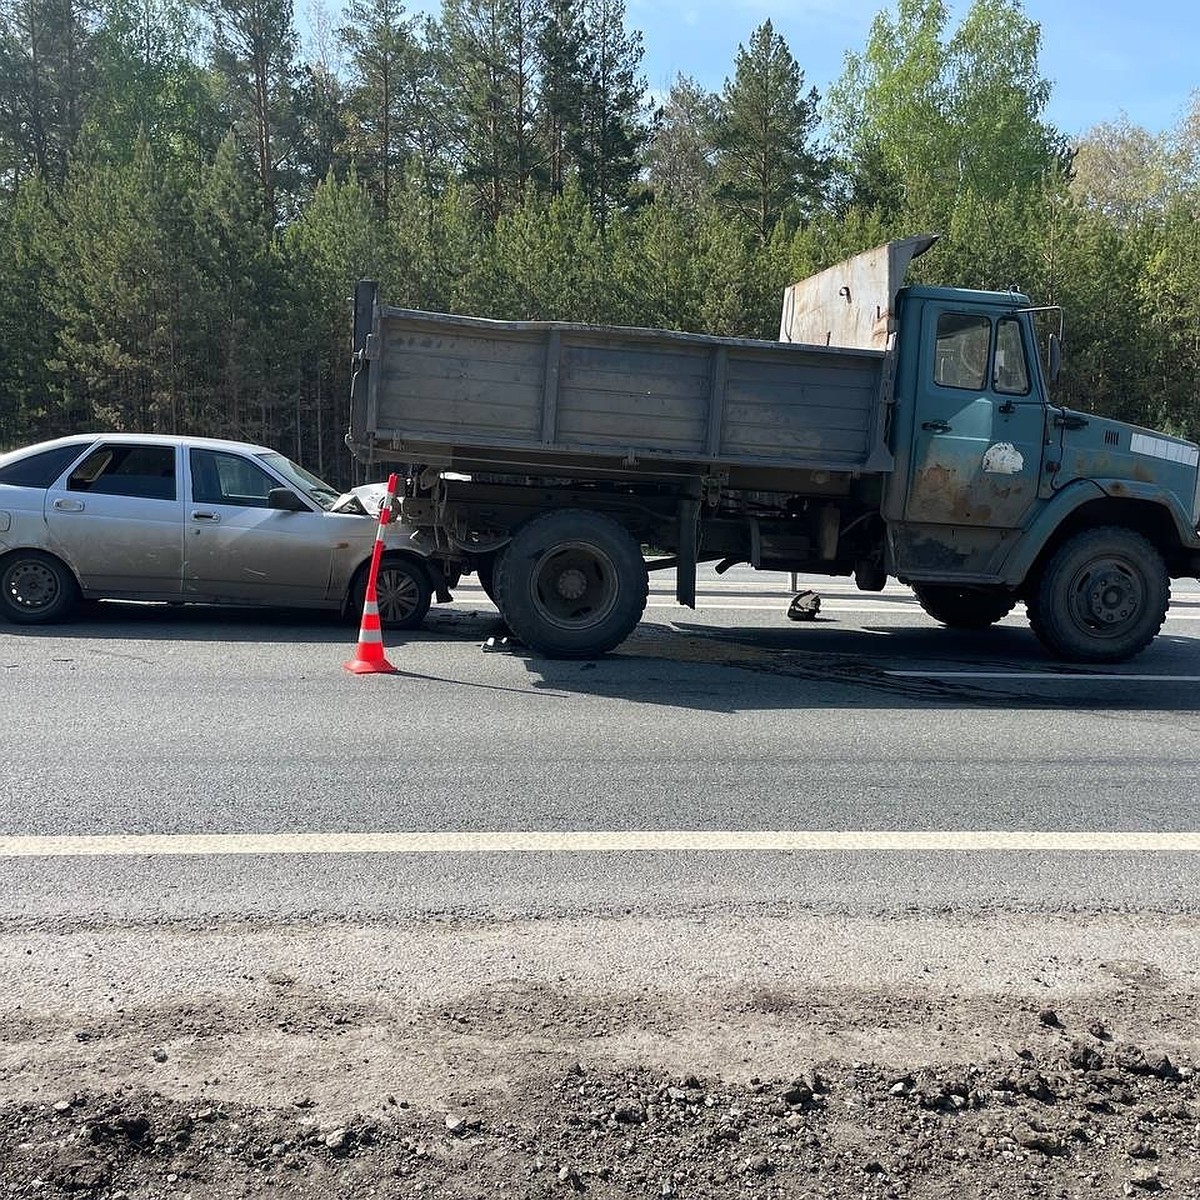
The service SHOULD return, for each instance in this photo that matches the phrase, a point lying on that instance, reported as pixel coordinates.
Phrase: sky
(1103, 58)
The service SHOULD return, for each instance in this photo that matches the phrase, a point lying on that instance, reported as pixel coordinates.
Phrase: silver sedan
(194, 520)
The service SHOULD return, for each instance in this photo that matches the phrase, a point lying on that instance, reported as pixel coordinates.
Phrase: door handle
(64, 505)
(936, 426)
(206, 516)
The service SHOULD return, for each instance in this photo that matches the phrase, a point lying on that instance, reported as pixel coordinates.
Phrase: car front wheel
(35, 588)
(403, 589)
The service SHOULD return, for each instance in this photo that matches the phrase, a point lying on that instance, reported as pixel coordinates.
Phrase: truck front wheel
(571, 584)
(964, 607)
(1102, 597)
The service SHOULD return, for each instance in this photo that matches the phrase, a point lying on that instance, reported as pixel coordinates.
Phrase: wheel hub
(1111, 597)
(572, 584)
(31, 586)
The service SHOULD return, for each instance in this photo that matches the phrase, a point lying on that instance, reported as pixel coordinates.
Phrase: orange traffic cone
(369, 658)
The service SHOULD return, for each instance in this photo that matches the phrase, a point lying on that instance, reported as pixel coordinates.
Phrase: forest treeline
(187, 197)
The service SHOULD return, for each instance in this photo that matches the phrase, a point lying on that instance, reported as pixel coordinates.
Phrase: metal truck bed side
(463, 392)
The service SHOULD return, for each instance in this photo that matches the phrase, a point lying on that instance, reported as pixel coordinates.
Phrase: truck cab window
(1010, 374)
(961, 354)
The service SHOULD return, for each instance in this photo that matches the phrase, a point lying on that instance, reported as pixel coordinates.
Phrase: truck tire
(36, 588)
(964, 607)
(571, 584)
(1102, 597)
(404, 591)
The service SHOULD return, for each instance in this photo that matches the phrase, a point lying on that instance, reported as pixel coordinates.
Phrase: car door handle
(63, 505)
(206, 516)
(936, 426)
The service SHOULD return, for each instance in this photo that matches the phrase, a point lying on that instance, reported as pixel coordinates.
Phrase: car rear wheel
(36, 588)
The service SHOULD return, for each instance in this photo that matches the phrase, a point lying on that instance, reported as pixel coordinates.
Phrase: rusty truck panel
(467, 393)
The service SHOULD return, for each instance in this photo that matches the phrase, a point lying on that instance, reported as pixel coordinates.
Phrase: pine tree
(118, 295)
(47, 84)
(560, 57)
(612, 126)
(254, 46)
(682, 156)
(381, 46)
(765, 161)
(490, 53)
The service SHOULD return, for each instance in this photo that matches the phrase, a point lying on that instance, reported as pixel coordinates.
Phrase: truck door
(979, 422)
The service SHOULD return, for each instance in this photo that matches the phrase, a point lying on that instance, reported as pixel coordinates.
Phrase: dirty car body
(192, 520)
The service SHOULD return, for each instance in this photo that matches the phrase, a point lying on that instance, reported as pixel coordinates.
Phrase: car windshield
(315, 489)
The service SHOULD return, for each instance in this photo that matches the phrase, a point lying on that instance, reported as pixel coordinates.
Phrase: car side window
(147, 472)
(1010, 375)
(40, 470)
(961, 353)
(222, 478)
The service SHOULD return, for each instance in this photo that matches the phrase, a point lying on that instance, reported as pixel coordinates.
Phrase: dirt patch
(1093, 1119)
(615, 1059)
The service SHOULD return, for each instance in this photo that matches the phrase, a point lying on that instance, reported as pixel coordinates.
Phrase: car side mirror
(285, 499)
(1055, 357)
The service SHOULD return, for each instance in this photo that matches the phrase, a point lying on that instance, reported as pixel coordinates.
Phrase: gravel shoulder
(701, 1055)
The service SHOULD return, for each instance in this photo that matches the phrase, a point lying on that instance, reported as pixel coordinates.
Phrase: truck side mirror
(1055, 357)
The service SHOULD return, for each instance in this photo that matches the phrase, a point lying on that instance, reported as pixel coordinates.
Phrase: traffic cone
(369, 658)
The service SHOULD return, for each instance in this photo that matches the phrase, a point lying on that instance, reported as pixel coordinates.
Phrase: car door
(117, 519)
(239, 549)
(980, 423)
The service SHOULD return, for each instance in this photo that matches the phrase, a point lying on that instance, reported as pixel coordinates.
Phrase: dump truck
(893, 431)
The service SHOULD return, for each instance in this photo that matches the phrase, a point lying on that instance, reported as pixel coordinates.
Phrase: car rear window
(145, 472)
(39, 470)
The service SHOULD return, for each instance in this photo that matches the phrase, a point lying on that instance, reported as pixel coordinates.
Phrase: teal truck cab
(892, 431)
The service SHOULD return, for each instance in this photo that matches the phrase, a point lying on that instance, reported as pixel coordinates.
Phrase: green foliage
(157, 272)
(919, 116)
(682, 154)
(765, 163)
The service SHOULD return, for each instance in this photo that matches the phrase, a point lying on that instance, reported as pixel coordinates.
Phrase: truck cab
(992, 480)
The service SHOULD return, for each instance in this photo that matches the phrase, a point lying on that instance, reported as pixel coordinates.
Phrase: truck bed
(471, 394)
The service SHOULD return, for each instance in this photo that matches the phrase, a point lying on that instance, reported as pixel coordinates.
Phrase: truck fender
(1073, 497)
(1033, 540)
(1152, 493)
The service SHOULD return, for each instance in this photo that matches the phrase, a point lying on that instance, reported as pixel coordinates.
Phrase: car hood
(364, 499)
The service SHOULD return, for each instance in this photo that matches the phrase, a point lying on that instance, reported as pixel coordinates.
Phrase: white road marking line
(1067, 676)
(623, 841)
(829, 605)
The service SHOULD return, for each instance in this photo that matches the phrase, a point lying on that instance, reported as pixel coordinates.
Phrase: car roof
(158, 439)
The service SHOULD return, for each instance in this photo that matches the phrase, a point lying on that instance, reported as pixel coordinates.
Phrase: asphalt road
(873, 720)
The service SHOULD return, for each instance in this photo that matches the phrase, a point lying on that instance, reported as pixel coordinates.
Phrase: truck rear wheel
(964, 607)
(1102, 597)
(571, 584)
